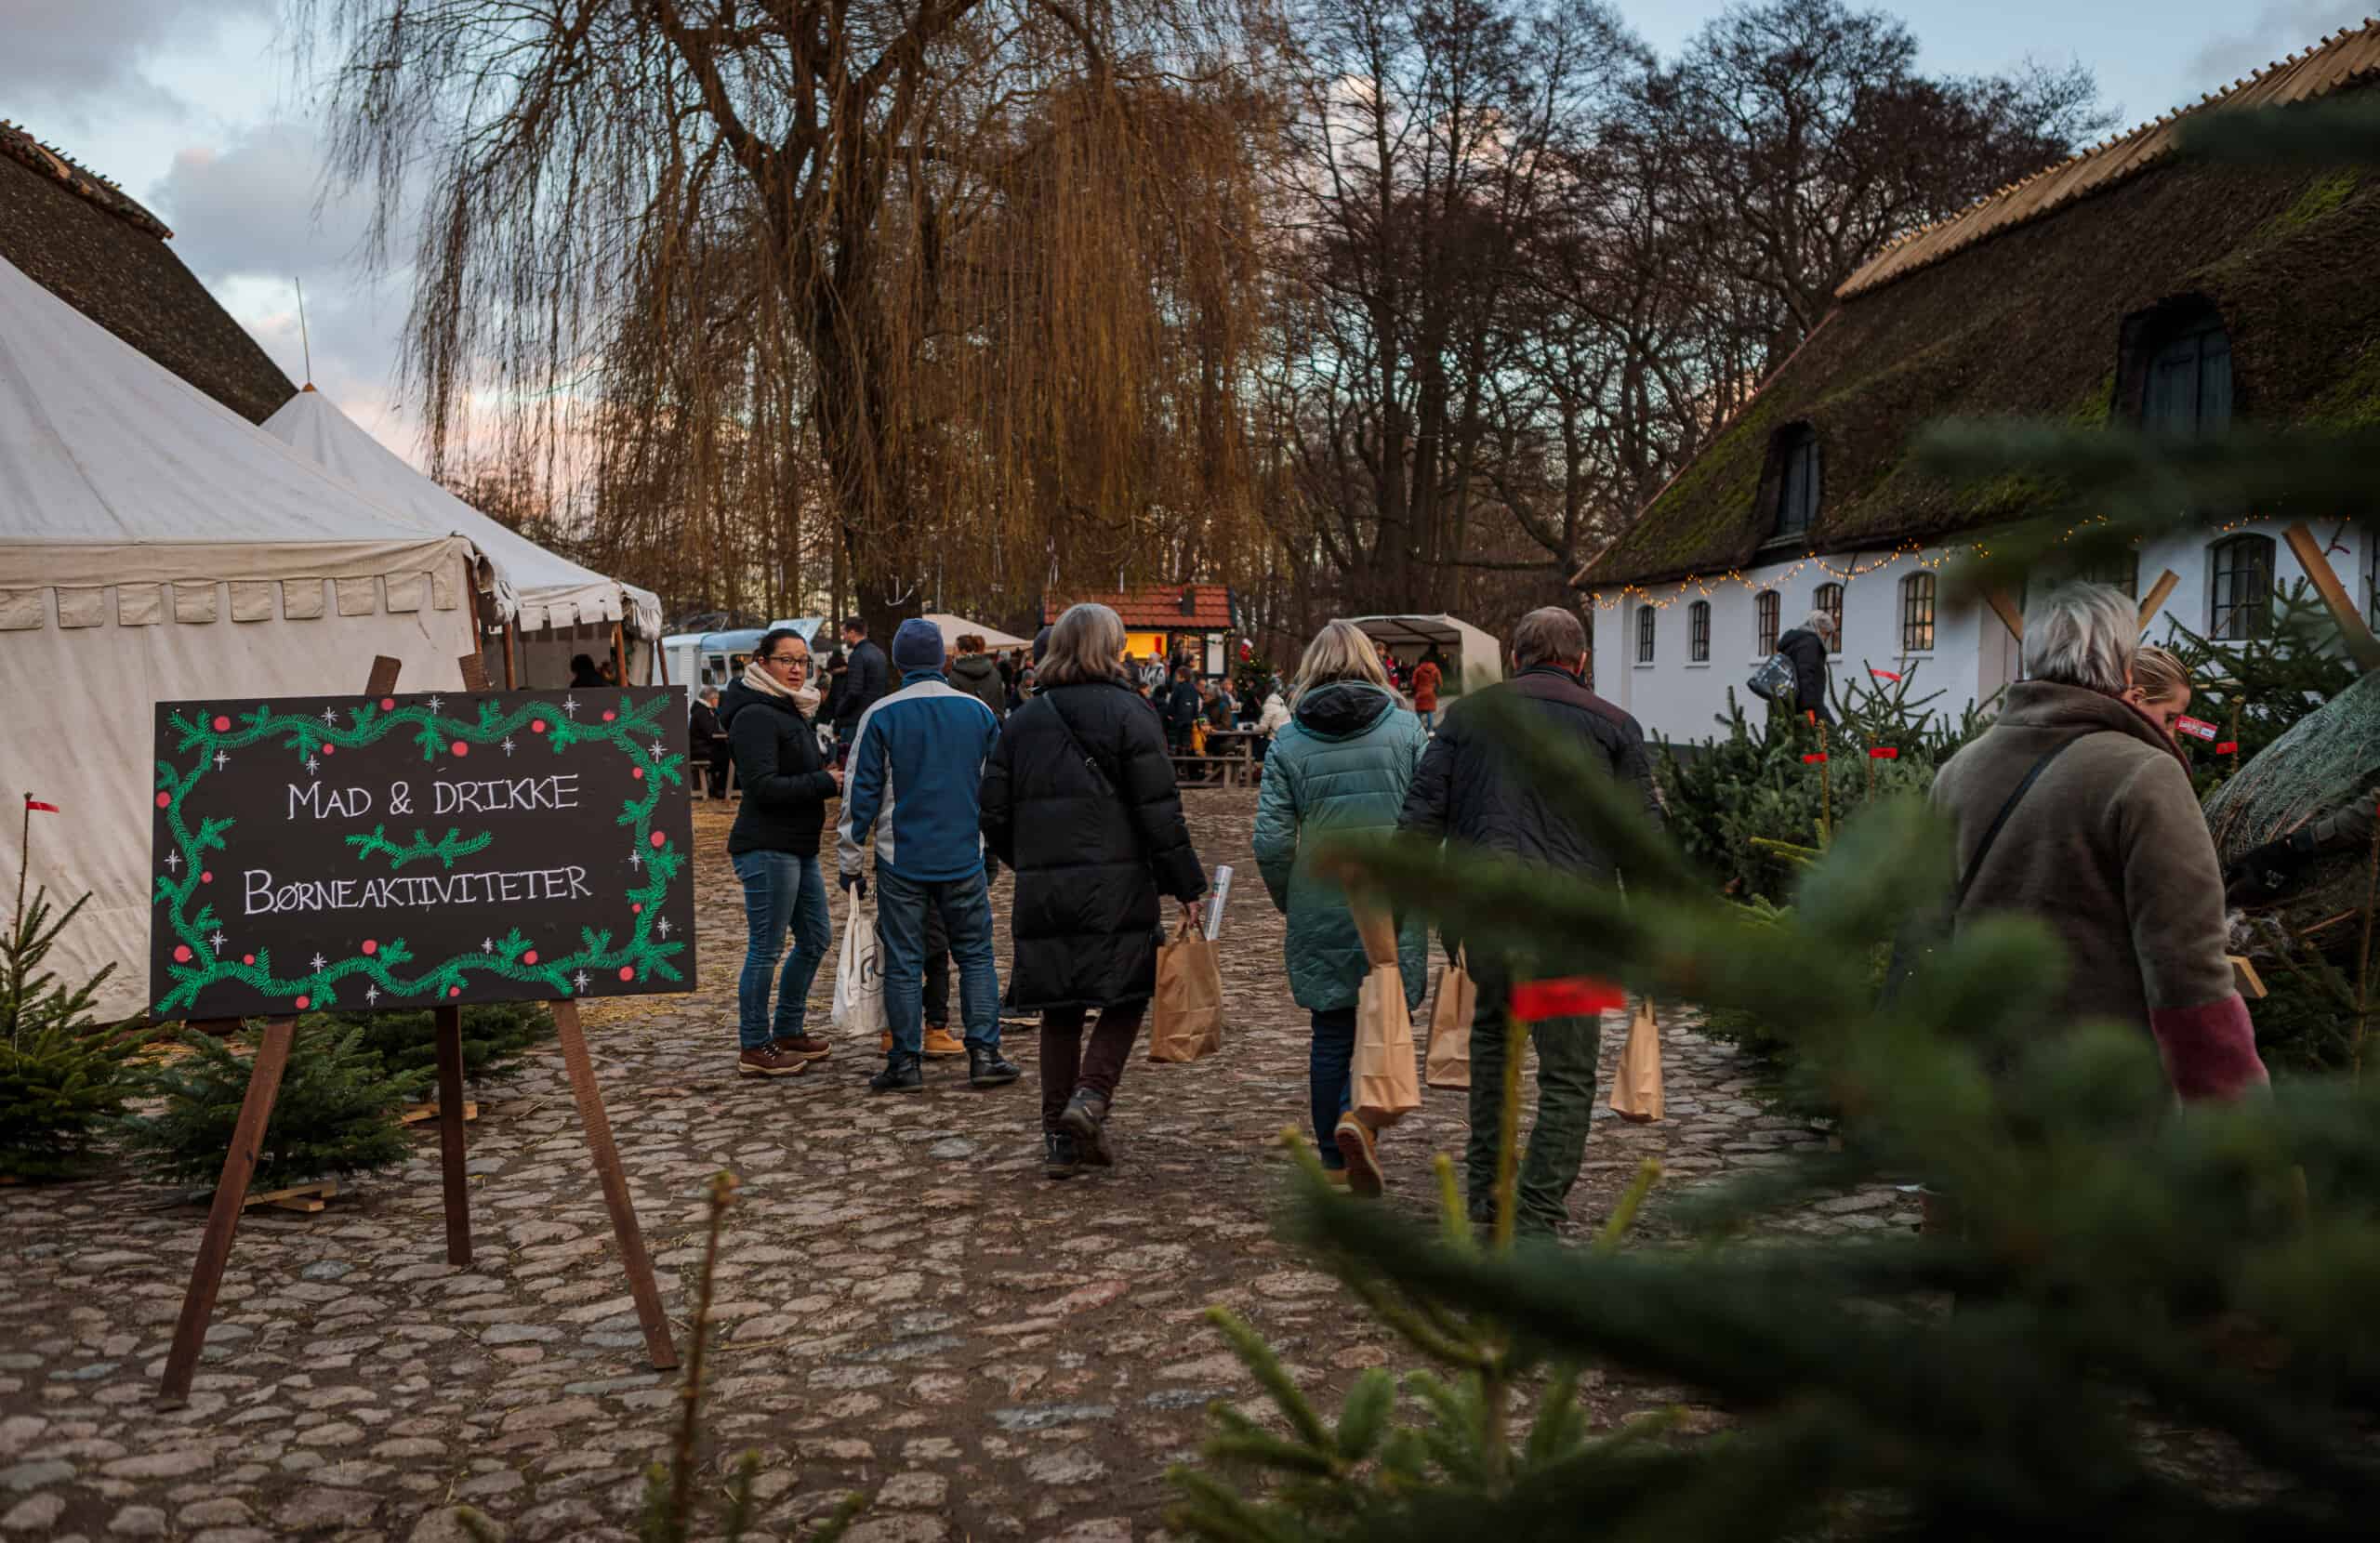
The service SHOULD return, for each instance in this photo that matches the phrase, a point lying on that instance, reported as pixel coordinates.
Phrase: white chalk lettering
(508, 795)
(263, 896)
(320, 801)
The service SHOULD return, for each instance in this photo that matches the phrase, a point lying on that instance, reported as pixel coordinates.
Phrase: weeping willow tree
(955, 295)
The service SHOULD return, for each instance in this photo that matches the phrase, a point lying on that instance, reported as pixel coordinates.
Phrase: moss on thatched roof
(83, 239)
(2026, 323)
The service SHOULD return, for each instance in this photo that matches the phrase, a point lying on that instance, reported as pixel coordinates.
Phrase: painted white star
(371, 994)
(319, 961)
(312, 765)
(662, 927)
(487, 946)
(656, 749)
(636, 859)
(507, 744)
(216, 942)
(221, 761)
(173, 859)
(579, 980)
(330, 716)
(433, 701)
(570, 706)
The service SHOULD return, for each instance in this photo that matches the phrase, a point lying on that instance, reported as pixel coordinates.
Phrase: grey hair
(2082, 635)
(1547, 633)
(1820, 620)
(1086, 643)
(708, 693)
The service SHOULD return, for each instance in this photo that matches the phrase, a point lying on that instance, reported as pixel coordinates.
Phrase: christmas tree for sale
(496, 1036)
(63, 1074)
(335, 1114)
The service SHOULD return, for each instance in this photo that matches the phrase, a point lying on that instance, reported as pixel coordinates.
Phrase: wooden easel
(256, 1114)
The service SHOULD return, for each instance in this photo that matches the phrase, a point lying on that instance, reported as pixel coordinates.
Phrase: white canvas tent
(1473, 658)
(560, 608)
(953, 627)
(155, 546)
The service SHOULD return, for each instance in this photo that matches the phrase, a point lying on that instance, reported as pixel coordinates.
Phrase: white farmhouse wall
(1972, 655)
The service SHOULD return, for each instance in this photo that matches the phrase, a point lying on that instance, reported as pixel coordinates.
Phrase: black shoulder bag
(1109, 781)
(1908, 951)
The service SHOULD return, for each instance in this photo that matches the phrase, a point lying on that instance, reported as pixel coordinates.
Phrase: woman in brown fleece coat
(2108, 846)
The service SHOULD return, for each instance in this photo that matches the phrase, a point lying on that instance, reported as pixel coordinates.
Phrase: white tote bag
(859, 980)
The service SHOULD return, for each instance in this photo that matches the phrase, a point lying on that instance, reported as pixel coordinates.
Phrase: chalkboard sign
(406, 852)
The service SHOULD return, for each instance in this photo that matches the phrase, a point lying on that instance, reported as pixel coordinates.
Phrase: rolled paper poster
(1215, 902)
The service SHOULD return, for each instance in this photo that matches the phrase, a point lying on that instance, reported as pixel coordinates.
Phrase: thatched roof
(83, 239)
(2017, 308)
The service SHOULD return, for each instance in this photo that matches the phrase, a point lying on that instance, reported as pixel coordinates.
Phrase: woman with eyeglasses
(773, 846)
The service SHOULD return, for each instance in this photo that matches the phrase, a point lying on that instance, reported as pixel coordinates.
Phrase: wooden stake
(619, 654)
(509, 678)
(474, 672)
(2155, 600)
(2006, 610)
(608, 1172)
(383, 679)
(2362, 646)
(448, 1027)
(231, 1190)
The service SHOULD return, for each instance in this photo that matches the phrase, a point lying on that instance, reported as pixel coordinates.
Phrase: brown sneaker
(770, 1063)
(1354, 1139)
(939, 1045)
(803, 1047)
(884, 1043)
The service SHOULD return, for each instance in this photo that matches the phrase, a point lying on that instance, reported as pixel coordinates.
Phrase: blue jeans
(1331, 1078)
(1429, 721)
(965, 908)
(780, 888)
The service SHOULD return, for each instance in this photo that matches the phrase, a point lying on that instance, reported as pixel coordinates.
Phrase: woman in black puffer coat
(1080, 799)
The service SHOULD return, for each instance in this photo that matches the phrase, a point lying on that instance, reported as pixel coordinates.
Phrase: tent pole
(509, 629)
(661, 662)
(619, 655)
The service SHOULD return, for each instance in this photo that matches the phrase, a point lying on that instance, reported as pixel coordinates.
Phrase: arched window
(1764, 612)
(1917, 613)
(2239, 588)
(1644, 634)
(2187, 391)
(1828, 598)
(1698, 632)
(1797, 483)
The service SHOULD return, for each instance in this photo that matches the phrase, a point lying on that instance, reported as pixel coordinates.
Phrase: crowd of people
(1061, 767)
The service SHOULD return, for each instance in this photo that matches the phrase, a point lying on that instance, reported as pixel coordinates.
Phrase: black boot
(1086, 1121)
(1064, 1161)
(901, 1073)
(986, 1069)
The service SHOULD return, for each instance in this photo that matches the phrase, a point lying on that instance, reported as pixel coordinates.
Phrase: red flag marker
(2228, 747)
(2197, 728)
(1882, 752)
(33, 803)
(1572, 996)
(1882, 674)
(1813, 757)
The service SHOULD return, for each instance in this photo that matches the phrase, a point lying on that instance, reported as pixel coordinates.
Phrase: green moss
(2092, 409)
(1718, 483)
(2354, 400)
(2321, 196)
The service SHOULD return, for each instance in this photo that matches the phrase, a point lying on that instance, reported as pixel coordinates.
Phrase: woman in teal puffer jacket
(1341, 765)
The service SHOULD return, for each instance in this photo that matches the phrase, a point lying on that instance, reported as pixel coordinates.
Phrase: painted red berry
(304, 1002)
(454, 991)
(636, 907)
(247, 959)
(536, 725)
(530, 957)
(207, 877)
(222, 723)
(164, 800)
(636, 771)
(370, 946)
(609, 714)
(628, 972)
(181, 952)
(329, 749)
(388, 704)
(659, 839)
(460, 748)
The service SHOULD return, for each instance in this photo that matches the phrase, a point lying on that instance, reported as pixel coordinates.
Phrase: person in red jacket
(1426, 676)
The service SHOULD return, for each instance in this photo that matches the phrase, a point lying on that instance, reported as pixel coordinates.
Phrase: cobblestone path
(907, 1307)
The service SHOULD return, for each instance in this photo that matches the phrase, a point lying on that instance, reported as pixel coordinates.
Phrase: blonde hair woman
(2160, 688)
(1341, 764)
(1080, 799)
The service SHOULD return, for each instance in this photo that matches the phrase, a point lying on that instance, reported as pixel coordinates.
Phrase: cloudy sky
(193, 108)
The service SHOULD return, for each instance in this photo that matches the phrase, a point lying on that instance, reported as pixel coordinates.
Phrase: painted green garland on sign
(410, 850)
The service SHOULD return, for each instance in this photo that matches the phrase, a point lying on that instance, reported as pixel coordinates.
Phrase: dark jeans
(1331, 1078)
(1067, 1063)
(937, 971)
(715, 764)
(781, 890)
(1566, 1052)
(964, 906)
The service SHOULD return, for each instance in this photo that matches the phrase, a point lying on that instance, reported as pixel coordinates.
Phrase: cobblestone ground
(907, 1307)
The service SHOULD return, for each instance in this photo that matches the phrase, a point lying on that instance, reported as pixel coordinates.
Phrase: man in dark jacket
(1470, 788)
(867, 678)
(1180, 710)
(1807, 646)
(708, 740)
(977, 674)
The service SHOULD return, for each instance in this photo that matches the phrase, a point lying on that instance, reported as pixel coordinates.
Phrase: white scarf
(760, 679)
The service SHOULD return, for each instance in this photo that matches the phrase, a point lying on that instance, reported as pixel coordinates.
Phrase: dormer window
(1797, 483)
(2175, 373)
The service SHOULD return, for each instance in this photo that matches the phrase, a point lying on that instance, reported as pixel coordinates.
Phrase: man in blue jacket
(914, 779)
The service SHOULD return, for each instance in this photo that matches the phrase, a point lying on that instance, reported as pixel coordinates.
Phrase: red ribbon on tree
(1882, 752)
(1570, 996)
(1813, 757)
(2228, 747)
(1882, 674)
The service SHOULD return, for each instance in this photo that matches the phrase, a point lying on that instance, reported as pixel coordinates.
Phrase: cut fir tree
(64, 1076)
(336, 1113)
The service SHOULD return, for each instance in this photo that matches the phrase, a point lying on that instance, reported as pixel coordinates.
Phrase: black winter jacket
(1092, 843)
(1470, 789)
(979, 676)
(785, 785)
(1181, 704)
(868, 676)
(1807, 650)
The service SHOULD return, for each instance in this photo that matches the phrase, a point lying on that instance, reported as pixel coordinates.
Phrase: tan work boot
(939, 1046)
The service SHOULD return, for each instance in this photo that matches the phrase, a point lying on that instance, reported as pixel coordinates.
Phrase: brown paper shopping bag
(1637, 1086)
(1448, 1062)
(1187, 1021)
(1387, 1085)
